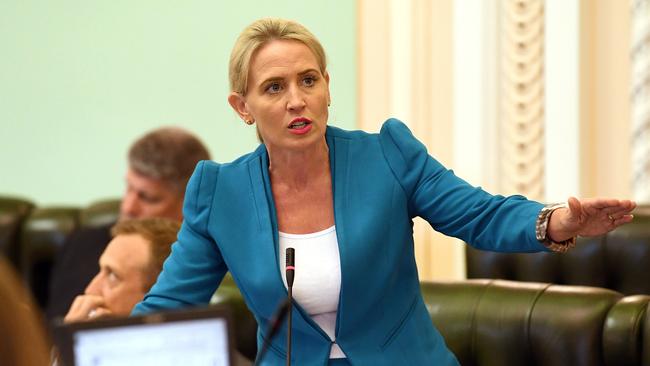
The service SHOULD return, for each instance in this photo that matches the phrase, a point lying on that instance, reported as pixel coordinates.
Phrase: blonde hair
(258, 34)
(23, 340)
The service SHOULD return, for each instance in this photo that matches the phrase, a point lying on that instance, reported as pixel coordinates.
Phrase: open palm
(596, 216)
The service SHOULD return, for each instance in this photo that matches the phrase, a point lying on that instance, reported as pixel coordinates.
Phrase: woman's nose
(296, 99)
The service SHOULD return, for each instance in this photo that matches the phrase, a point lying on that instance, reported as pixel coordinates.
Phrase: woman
(345, 201)
(23, 340)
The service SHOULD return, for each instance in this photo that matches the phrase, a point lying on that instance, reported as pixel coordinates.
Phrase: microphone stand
(290, 263)
(284, 309)
(275, 322)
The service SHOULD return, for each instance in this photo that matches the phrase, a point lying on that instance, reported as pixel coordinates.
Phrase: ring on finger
(611, 218)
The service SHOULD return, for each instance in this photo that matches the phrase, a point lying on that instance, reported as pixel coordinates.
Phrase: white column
(640, 100)
(401, 63)
(469, 90)
(562, 103)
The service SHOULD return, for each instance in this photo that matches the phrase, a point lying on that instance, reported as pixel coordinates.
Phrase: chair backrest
(13, 212)
(45, 231)
(626, 335)
(100, 213)
(496, 322)
(619, 261)
(42, 236)
(646, 337)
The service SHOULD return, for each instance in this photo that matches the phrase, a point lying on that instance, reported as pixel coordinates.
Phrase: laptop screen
(191, 337)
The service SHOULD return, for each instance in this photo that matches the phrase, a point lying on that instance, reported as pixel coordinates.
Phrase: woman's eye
(274, 88)
(309, 81)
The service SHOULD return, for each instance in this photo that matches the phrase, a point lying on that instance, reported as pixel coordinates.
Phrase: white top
(317, 280)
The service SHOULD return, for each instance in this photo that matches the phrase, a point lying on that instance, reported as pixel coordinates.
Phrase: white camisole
(317, 280)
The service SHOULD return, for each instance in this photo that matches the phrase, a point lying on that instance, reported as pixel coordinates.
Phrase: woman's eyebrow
(280, 78)
(273, 78)
(308, 71)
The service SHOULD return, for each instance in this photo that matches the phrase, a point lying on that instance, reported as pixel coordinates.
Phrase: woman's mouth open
(300, 126)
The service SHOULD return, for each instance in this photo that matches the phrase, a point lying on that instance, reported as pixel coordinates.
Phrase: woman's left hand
(589, 217)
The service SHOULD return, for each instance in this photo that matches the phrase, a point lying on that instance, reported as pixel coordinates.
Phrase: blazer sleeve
(195, 266)
(453, 206)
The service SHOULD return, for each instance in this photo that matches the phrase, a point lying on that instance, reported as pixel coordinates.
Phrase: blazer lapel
(339, 165)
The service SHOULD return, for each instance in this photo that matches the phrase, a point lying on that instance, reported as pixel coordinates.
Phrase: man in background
(128, 268)
(159, 165)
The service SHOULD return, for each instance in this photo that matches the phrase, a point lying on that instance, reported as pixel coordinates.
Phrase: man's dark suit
(75, 267)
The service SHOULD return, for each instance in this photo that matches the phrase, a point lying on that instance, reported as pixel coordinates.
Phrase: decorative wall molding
(522, 98)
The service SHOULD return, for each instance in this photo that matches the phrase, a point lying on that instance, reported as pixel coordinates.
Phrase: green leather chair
(508, 323)
(100, 213)
(646, 337)
(624, 340)
(43, 233)
(13, 212)
(496, 322)
(619, 261)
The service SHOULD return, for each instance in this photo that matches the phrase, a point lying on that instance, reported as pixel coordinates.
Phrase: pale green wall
(79, 80)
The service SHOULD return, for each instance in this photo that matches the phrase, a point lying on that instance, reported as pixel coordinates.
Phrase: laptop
(189, 337)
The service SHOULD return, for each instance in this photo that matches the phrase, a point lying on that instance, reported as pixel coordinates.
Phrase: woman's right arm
(195, 266)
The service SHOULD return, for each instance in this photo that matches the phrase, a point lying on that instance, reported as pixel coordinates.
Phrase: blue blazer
(380, 183)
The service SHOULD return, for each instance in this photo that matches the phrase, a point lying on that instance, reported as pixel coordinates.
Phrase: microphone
(290, 267)
(282, 310)
(277, 319)
(290, 272)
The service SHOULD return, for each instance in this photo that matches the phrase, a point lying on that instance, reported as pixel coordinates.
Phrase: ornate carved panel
(522, 98)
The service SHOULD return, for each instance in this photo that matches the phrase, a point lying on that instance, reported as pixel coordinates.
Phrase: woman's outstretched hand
(589, 217)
